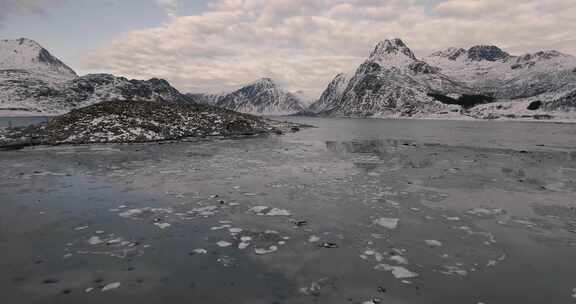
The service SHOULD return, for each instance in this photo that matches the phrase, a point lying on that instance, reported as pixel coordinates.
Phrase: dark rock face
(466, 101)
(487, 52)
(535, 105)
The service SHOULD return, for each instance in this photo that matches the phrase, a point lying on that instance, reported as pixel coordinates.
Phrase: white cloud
(304, 43)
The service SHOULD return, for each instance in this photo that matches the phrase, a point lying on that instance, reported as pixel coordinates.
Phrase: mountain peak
(26, 54)
(265, 81)
(392, 47)
(487, 52)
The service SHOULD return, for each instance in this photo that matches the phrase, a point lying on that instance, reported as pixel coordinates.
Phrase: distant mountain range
(35, 82)
(479, 82)
(262, 97)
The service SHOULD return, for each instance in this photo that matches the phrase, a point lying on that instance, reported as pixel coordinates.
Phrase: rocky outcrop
(140, 121)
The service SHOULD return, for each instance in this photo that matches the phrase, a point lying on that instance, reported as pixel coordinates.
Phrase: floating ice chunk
(262, 251)
(131, 212)
(220, 227)
(204, 211)
(397, 271)
(433, 243)
(246, 238)
(95, 240)
(259, 209)
(388, 223)
(111, 286)
(454, 270)
(89, 289)
(278, 212)
(162, 225)
(243, 245)
(486, 211)
(398, 259)
(373, 301)
(235, 230)
(81, 228)
(200, 251)
(452, 218)
(224, 244)
(267, 211)
(313, 239)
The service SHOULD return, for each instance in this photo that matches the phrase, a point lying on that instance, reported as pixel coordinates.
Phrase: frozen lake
(354, 211)
(21, 121)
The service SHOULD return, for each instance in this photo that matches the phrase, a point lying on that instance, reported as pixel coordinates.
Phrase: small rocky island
(138, 122)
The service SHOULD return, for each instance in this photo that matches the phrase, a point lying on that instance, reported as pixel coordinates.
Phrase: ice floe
(388, 223)
(433, 243)
(453, 270)
(111, 286)
(162, 225)
(486, 211)
(313, 239)
(267, 211)
(263, 251)
(398, 272)
(223, 244)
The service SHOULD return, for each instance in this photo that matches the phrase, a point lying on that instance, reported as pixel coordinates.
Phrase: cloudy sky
(216, 45)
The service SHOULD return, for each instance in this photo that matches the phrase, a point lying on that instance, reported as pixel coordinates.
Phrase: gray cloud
(15, 7)
(304, 43)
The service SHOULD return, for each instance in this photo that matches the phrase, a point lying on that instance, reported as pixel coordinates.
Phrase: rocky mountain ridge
(34, 82)
(394, 82)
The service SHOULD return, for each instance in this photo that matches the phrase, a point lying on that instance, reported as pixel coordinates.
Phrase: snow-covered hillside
(262, 97)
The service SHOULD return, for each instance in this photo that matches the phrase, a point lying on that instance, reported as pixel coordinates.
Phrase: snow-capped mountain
(545, 76)
(26, 55)
(262, 97)
(392, 81)
(482, 81)
(33, 81)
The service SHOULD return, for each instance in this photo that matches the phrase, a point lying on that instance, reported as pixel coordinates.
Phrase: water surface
(352, 211)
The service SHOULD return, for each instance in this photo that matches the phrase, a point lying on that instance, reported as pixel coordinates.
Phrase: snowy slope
(262, 97)
(27, 55)
(546, 75)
